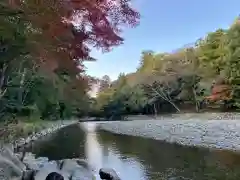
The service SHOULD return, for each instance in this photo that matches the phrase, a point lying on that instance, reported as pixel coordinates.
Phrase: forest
(201, 77)
(43, 45)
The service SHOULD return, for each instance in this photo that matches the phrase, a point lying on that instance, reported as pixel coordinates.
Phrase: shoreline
(49, 128)
(24, 165)
(53, 127)
(201, 130)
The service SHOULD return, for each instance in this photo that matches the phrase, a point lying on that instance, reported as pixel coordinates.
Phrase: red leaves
(220, 88)
(64, 31)
(220, 92)
(98, 24)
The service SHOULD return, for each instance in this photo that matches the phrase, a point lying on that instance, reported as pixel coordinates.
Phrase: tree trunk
(20, 93)
(155, 110)
(2, 80)
(195, 99)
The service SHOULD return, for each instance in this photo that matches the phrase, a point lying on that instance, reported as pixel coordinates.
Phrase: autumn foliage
(68, 29)
(220, 92)
(202, 76)
(43, 46)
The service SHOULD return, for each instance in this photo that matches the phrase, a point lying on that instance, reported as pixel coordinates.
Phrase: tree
(65, 30)
(147, 62)
(190, 83)
(105, 83)
(212, 51)
(199, 75)
(233, 64)
(43, 45)
(163, 91)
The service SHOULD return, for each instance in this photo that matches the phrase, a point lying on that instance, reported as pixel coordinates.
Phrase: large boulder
(11, 168)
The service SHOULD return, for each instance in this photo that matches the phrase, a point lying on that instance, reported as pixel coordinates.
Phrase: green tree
(233, 63)
(212, 51)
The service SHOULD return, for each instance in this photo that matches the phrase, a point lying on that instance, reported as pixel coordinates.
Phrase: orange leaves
(98, 24)
(220, 92)
(64, 31)
(220, 88)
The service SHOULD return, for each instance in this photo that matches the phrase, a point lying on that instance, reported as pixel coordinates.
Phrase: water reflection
(171, 161)
(66, 143)
(101, 154)
(136, 158)
(93, 149)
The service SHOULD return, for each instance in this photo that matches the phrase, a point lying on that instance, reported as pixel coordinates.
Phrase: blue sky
(165, 26)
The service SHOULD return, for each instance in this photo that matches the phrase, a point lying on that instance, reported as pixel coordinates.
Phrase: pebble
(35, 136)
(194, 131)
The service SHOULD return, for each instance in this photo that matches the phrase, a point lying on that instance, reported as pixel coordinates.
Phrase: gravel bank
(51, 127)
(221, 131)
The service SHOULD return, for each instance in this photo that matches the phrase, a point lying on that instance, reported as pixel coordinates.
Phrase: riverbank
(23, 133)
(12, 167)
(211, 130)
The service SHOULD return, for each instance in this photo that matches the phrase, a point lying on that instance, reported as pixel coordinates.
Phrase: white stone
(208, 133)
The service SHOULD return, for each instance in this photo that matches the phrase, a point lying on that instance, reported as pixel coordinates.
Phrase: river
(137, 158)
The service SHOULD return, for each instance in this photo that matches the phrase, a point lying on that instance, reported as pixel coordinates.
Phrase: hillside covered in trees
(201, 77)
(43, 45)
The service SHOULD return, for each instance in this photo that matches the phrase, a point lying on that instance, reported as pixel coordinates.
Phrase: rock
(68, 168)
(19, 155)
(33, 163)
(47, 170)
(28, 175)
(108, 174)
(11, 168)
(54, 175)
(28, 140)
(7, 153)
(34, 138)
(78, 169)
(83, 163)
(8, 170)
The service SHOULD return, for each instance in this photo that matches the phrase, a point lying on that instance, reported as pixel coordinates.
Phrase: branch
(168, 100)
(2, 93)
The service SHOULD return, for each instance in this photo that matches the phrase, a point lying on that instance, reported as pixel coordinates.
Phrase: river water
(136, 158)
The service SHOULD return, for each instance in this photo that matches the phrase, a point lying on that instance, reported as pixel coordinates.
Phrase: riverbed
(138, 158)
(221, 131)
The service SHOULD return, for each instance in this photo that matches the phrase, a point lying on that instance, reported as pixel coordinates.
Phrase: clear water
(136, 158)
